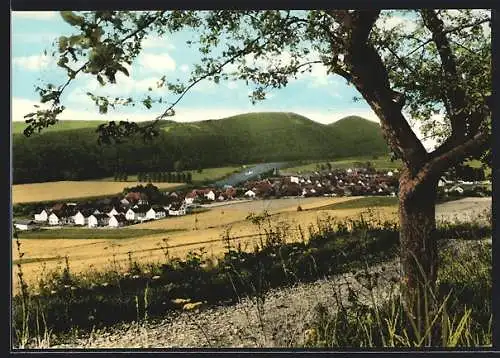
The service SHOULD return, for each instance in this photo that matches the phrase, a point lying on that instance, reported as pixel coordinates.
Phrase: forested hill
(73, 153)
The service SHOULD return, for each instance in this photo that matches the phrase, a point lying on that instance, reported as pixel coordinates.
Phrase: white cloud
(155, 41)
(123, 87)
(205, 86)
(184, 68)
(157, 63)
(232, 85)
(318, 76)
(22, 106)
(41, 38)
(35, 15)
(33, 63)
(391, 22)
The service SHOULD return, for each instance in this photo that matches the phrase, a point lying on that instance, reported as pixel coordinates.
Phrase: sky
(320, 97)
(317, 96)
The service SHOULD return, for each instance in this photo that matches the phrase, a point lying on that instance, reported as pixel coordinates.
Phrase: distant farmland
(37, 192)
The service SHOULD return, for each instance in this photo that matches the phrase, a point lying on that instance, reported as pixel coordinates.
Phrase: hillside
(73, 154)
(18, 127)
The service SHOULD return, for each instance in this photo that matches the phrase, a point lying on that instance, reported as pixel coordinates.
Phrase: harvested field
(211, 225)
(204, 230)
(37, 192)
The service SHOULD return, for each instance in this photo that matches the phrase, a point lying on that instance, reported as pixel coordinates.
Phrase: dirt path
(279, 322)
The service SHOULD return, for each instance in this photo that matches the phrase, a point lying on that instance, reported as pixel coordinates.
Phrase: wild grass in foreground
(63, 302)
(456, 313)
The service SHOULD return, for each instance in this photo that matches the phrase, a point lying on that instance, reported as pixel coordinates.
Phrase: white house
(349, 171)
(117, 220)
(136, 213)
(294, 180)
(92, 220)
(250, 194)
(390, 174)
(130, 215)
(24, 225)
(54, 219)
(156, 213)
(177, 211)
(188, 200)
(113, 212)
(125, 202)
(42, 217)
(210, 195)
(95, 220)
(80, 219)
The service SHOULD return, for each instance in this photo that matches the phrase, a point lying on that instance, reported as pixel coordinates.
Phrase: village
(145, 203)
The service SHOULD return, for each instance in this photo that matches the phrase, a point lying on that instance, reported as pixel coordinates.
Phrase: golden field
(59, 190)
(204, 229)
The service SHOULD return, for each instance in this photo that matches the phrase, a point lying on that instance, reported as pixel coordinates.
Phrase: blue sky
(320, 97)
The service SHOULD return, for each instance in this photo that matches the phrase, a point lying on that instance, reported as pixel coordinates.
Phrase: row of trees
(166, 177)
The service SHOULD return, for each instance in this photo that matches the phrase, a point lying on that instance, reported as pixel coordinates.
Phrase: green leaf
(71, 18)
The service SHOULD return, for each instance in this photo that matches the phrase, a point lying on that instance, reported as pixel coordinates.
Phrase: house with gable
(82, 216)
(177, 209)
(209, 194)
(250, 194)
(96, 220)
(137, 213)
(117, 220)
(43, 216)
(24, 225)
(156, 212)
(61, 214)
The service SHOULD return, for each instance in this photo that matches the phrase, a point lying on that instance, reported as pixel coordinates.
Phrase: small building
(24, 225)
(155, 213)
(96, 220)
(250, 194)
(124, 202)
(55, 219)
(117, 220)
(137, 213)
(112, 212)
(177, 210)
(80, 218)
(42, 216)
(210, 195)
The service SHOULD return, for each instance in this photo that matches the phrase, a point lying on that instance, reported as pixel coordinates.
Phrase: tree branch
(448, 31)
(370, 77)
(452, 156)
(453, 90)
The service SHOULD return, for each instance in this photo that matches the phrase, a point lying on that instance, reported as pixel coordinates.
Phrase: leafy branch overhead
(439, 67)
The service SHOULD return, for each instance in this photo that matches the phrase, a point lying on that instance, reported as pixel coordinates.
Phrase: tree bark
(419, 253)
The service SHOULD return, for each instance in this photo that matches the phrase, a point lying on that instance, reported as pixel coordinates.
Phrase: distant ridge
(245, 138)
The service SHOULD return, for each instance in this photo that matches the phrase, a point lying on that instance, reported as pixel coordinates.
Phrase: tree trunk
(419, 254)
